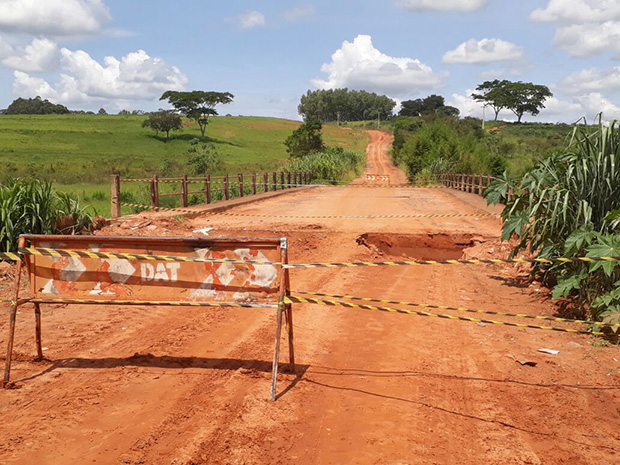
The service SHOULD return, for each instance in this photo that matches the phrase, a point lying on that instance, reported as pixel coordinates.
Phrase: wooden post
(488, 180)
(208, 188)
(288, 180)
(37, 331)
(153, 192)
(115, 195)
(240, 185)
(253, 183)
(295, 179)
(266, 182)
(226, 193)
(184, 197)
(12, 318)
(156, 180)
(480, 185)
(275, 181)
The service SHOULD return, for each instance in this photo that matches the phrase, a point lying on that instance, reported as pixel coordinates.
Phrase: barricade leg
(9, 350)
(276, 352)
(289, 327)
(37, 331)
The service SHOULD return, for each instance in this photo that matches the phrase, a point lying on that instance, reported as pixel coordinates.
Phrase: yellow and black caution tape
(57, 253)
(427, 215)
(152, 302)
(10, 256)
(135, 256)
(461, 309)
(337, 303)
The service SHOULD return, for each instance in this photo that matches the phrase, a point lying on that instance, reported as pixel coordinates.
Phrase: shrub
(330, 165)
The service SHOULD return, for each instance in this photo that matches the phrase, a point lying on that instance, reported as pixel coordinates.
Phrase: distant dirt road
(190, 386)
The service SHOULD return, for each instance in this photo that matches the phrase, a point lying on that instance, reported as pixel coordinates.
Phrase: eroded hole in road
(439, 246)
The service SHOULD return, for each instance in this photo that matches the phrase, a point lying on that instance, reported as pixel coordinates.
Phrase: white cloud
(517, 69)
(299, 12)
(589, 39)
(483, 51)
(592, 80)
(577, 11)
(251, 19)
(5, 48)
(359, 65)
(135, 77)
(466, 105)
(40, 55)
(53, 17)
(585, 27)
(442, 5)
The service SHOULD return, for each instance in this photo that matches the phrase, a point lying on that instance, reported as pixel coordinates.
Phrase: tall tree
(525, 97)
(493, 95)
(304, 140)
(431, 104)
(344, 105)
(34, 106)
(197, 104)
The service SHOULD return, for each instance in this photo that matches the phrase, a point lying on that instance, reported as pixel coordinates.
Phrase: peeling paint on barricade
(121, 278)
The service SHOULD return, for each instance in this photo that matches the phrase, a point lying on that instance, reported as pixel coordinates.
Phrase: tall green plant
(568, 206)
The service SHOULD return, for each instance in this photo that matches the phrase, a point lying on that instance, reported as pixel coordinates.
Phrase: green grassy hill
(79, 152)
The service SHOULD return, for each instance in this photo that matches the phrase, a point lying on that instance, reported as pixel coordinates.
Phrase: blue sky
(116, 54)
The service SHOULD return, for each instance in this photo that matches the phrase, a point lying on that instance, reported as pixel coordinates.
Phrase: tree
(197, 104)
(493, 95)
(164, 121)
(519, 97)
(304, 140)
(344, 105)
(429, 105)
(102, 111)
(525, 97)
(35, 106)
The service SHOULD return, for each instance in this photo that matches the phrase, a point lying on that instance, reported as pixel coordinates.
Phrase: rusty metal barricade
(218, 272)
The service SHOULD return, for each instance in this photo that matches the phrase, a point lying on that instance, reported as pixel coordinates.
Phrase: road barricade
(171, 271)
(378, 177)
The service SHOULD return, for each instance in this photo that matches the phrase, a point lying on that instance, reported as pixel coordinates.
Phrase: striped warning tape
(152, 302)
(10, 256)
(429, 215)
(57, 253)
(308, 300)
(461, 309)
(134, 256)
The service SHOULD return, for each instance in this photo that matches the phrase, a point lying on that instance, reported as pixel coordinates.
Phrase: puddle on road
(420, 246)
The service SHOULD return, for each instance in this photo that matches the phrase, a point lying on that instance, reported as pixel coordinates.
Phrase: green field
(79, 152)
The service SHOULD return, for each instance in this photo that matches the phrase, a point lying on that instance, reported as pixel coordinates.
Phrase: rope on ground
(338, 303)
(429, 215)
(461, 309)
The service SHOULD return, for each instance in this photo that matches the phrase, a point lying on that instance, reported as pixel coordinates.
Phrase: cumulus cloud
(592, 80)
(135, 77)
(589, 39)
(359, 65)
(483, 51)
(40, 55)
(299, 12)
(577, 11)
(442, 5)
(53, 17)
(251, 19)
(5, 48)
(584, 27)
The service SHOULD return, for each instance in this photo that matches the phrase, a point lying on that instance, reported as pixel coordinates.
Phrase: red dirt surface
(190, 386)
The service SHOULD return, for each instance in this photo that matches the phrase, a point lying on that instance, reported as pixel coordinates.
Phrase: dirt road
(190, 386)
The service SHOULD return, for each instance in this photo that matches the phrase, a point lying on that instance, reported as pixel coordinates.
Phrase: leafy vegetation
(34, 106)
(163, 121)
(305, 140)
(330, 165)
(569, 205)
(32, 206)
(427, 106)
(518, 97)
(343, 105)
(197, 104)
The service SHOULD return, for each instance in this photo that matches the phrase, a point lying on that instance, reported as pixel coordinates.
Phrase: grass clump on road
(569, 205)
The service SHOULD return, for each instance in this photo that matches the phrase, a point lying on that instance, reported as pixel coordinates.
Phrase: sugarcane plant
(569, 205)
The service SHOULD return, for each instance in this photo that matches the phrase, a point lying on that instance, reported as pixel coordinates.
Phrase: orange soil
(190, 386)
